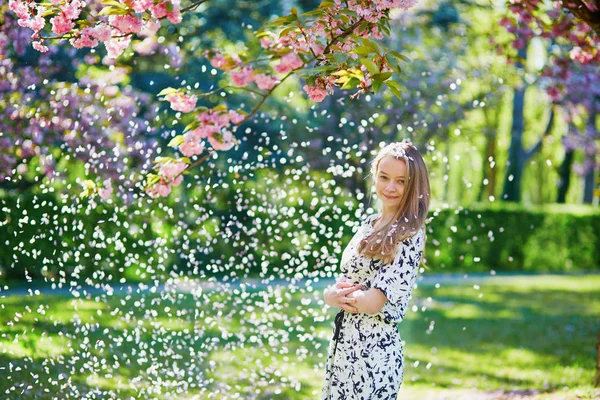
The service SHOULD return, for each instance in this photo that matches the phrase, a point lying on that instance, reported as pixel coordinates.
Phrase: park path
(213, 284)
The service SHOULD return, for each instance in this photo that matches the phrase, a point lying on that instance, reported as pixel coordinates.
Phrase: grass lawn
(508, 337)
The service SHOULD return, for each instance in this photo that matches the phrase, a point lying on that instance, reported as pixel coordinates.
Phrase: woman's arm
(367, 301)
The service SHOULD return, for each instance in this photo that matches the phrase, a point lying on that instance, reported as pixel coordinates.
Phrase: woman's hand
(338, 296)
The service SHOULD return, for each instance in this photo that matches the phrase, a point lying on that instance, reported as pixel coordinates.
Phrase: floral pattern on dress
(368, 360)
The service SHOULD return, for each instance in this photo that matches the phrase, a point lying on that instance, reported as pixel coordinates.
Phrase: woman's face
(390, 180)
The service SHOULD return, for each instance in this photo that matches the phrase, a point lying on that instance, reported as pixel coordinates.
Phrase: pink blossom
(102, 33)
(225, 142)
(39, 46)
(191, 145)
(288, 62)
(140, 6)
(581, 56)
(149, 28)
(20, 8)
(182, 102)
(202, 132)
(243, 76)
(106, 191)
(61, 24)
(160, 10)
(218, 61)
(72, 10)
(265, 82)
(85, 39)
(37, 23)
(177, 181)
(318, 49)
(125, 23)
(116, 46)
(315, 93)
(163, 189)
(22, 169)
(152, 192)
(146, 46)
(174, 16)
(173, 169)
(265, 43)
(235, 117)
(553, 93)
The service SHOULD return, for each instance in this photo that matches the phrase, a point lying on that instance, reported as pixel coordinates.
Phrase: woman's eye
(383, 177)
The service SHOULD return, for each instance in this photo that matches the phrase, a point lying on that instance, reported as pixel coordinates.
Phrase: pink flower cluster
(89, 31)
(289, 62)
(243, 75)
(214, 126)
(106, 191)
(65, 21)
(182, 102)
(320, 89)
(170, 174)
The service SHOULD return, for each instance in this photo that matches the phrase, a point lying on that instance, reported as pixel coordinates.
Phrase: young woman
(379, 267)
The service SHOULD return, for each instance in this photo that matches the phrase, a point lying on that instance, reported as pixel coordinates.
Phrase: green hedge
(42, 236)
(511, 237)
(293, 230)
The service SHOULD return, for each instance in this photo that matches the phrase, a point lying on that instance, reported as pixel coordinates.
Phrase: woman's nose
(391, 187)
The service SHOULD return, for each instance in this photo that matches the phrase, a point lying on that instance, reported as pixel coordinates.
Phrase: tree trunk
(564, 176)
(597, 377)
(512, 180)
(447, 172)
(590, 159)
(489, 172)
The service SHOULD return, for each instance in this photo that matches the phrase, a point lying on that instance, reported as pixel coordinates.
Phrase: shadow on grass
(543, 339)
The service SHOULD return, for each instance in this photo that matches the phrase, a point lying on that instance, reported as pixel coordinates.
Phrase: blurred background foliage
(285, 203)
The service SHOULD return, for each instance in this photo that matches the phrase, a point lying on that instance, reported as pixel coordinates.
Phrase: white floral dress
(365, 359)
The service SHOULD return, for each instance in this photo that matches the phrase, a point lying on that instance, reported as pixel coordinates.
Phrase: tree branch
(581, 10)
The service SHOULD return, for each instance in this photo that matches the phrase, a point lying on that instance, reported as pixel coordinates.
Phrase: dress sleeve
(396, 279)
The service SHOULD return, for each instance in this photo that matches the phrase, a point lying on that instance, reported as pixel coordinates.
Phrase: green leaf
(176, 141)
(89, 188)
(286, 31)
(396, 92)
(382, 76)
(151, 179)
(371, 44)
(396, 86)
(371, 66)
(167, 91)
(362, 51)
(376, 86)
(326, 4)
(340, 58)
(110, 10)
(399, 56)
(295, 12)
(351, 83)
(114, 3)
(278, 22)
(316, 13)
(191, 126)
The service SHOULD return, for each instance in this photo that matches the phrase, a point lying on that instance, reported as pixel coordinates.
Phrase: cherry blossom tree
(331, 46)
(91, 124)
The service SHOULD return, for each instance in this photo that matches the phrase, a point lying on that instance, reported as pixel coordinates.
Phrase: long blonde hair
(412, 210)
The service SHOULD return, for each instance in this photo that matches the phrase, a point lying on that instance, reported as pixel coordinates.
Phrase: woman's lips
(390, 197)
